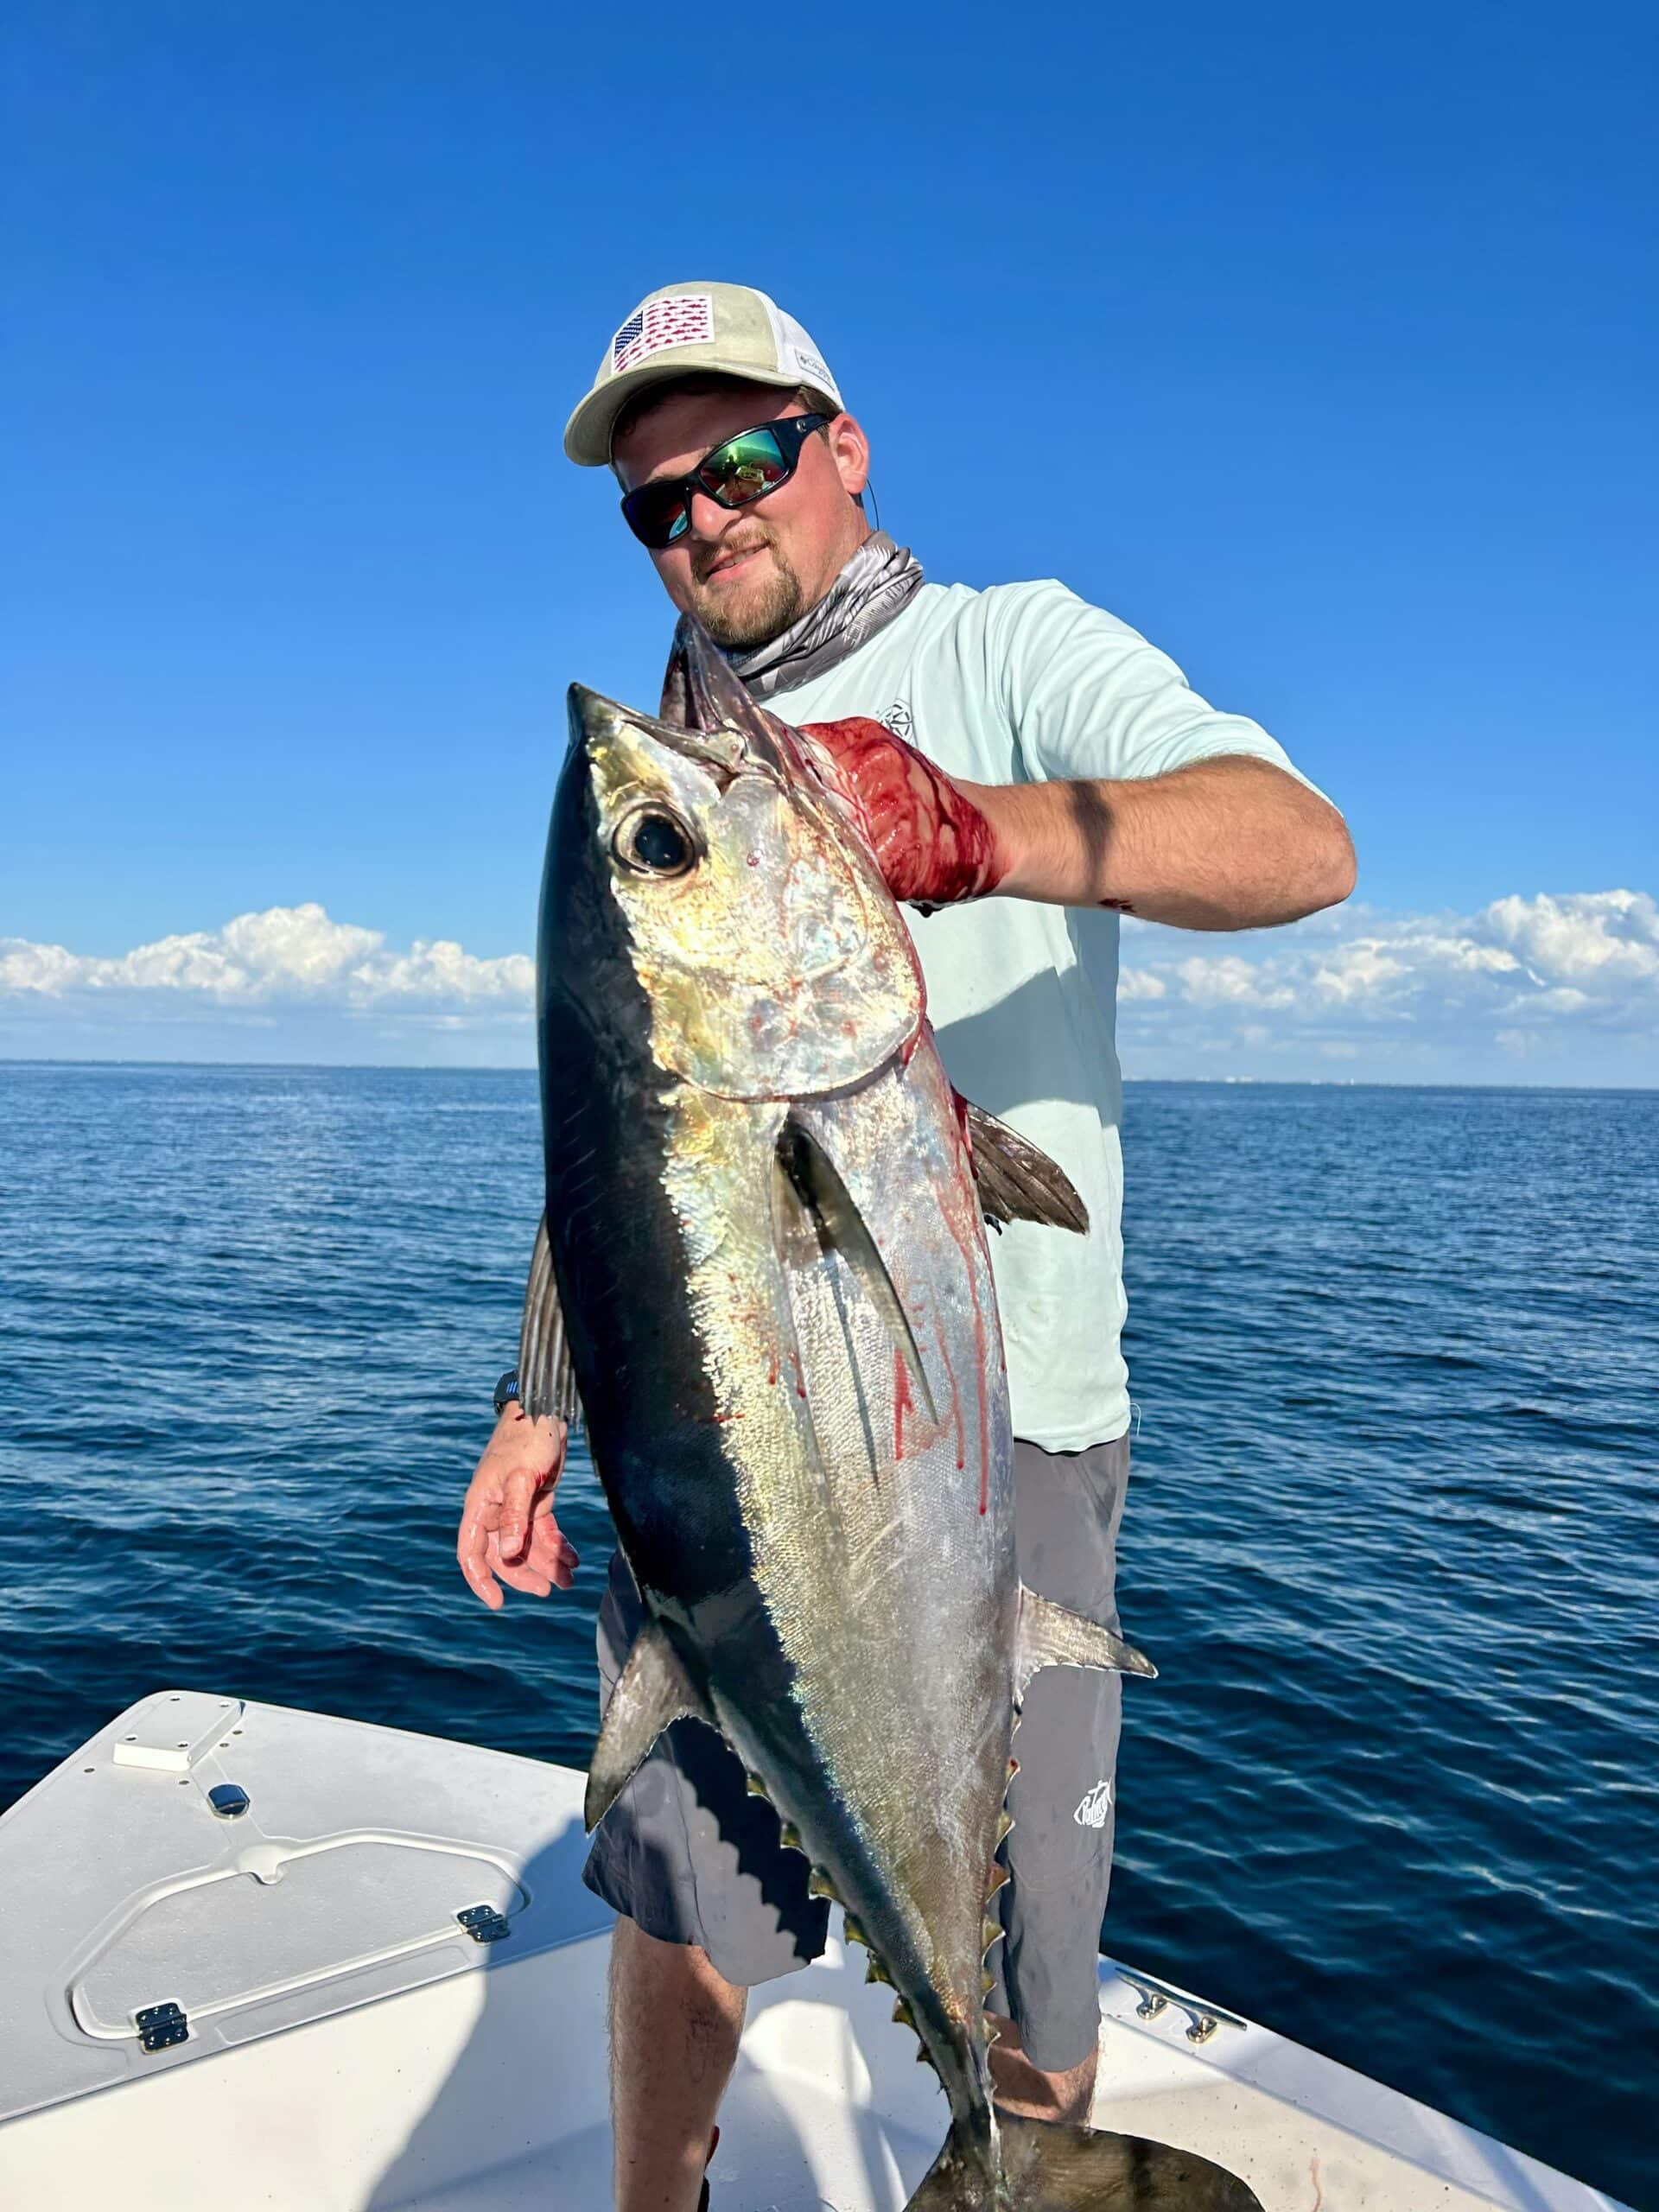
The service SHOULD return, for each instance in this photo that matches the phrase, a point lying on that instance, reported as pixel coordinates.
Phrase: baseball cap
(684, 330)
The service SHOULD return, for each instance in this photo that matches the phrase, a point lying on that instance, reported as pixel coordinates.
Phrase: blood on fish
(963, 1127)
(903, 1403)
(955, 1398)
(969, 1249)
(979, 1380)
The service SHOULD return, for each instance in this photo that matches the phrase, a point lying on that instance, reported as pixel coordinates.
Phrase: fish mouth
(707, 716)
(594, 720)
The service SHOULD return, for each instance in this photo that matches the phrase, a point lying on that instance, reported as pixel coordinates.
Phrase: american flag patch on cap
(683, 318)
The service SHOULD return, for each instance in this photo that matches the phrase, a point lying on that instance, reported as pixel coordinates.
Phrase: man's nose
(706, 518)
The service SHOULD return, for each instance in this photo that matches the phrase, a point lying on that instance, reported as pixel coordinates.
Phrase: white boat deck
(346, 2044)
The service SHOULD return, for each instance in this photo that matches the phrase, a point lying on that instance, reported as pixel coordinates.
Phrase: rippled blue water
(1391, 1534)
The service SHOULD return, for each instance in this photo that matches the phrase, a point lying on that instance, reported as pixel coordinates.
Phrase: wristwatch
(507, 1391)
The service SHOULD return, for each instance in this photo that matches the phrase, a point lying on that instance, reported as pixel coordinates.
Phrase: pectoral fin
(1018, 1182)
(546, 1381)
(813, 1198)
(653, 1690)
(1052, 1636)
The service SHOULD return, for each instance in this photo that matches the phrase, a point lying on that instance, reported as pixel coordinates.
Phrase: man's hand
(507, 1527)
(934, 844)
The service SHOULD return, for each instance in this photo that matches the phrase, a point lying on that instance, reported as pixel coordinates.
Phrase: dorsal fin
(1016, 1181)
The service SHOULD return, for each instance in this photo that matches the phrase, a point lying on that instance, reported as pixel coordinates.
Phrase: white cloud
(1556, 987)
(1539, 978)
(286, 956)
(1598, 937)
(1225, 979)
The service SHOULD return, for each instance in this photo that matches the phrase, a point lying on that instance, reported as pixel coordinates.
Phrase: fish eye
(653, 842)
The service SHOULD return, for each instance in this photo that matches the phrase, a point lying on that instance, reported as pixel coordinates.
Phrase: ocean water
(1391, 1533)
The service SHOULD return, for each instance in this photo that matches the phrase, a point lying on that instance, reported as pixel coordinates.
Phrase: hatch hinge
(483, 1923)
(160, 2026)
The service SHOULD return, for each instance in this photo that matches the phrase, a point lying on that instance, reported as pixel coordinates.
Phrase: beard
(760, 612)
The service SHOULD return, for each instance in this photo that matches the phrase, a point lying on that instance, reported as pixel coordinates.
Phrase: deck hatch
(284, 1918)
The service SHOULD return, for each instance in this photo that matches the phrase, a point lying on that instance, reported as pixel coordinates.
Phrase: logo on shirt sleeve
(899, 719)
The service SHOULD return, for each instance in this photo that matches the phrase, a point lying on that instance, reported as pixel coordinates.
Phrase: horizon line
(1215, 1082)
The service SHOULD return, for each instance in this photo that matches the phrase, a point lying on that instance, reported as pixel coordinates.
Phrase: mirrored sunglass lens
(744, 469)
(656, 513)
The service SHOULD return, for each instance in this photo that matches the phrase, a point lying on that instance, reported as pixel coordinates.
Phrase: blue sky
(1317, 345)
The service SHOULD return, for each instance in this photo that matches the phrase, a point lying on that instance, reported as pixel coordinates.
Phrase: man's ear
(851, 451)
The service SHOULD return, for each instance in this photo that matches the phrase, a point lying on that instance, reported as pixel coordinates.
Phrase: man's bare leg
(1024, 2088)
(675, 2024)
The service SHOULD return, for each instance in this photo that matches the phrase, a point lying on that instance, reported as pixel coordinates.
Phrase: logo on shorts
(899, 719)
(1091, 1814)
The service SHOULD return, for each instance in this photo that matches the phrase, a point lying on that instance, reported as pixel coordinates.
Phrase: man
(1033, 767)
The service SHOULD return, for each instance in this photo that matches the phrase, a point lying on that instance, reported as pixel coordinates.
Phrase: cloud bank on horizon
(1558, 987)
(294, 956)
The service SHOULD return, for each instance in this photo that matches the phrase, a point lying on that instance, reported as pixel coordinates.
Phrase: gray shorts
(690, 1856)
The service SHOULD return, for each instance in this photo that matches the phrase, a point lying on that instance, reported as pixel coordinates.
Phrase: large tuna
(766, 1283)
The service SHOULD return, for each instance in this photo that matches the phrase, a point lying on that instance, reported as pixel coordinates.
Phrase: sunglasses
(735, 475)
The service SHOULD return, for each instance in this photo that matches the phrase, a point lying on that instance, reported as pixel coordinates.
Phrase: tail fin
(1050, 2168)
